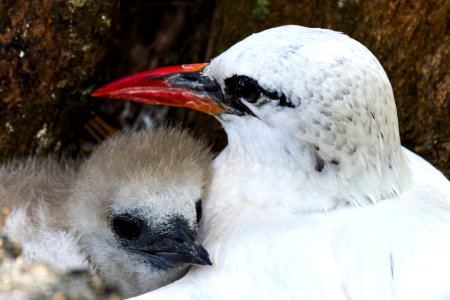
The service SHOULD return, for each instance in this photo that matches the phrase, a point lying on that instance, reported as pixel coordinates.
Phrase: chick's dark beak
(175, 247)
(182, 86)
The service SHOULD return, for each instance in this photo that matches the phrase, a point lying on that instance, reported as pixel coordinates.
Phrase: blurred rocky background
(21, 280)
(54, 53)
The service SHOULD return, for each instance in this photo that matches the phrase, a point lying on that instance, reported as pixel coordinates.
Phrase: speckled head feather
(322, 98)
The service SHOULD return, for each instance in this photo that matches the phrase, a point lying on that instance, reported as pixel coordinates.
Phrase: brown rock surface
(49, 51)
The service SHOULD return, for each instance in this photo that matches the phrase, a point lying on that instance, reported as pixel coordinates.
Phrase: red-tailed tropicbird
(314, 197)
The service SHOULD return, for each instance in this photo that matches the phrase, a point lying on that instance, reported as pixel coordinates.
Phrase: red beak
(181, 86)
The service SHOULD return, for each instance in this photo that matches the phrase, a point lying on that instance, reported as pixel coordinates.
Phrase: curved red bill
(154, 87)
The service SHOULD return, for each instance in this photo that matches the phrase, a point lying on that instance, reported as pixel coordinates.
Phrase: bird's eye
(198, 209)
(243, 87)
(126, 227)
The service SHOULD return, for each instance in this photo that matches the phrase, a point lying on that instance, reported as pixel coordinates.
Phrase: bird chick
(129, 213)
(314, 197)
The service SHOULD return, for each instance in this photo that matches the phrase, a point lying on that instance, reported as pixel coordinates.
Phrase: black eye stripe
(198, 209)
(243, 87)
(240, 86)
(285, 102)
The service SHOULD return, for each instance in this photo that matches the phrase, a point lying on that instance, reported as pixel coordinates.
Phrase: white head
(314, 100)
(136, 207)
(311, 108)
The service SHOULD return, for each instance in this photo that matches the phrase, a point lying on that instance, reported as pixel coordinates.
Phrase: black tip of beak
(186, 247)
(176, 247)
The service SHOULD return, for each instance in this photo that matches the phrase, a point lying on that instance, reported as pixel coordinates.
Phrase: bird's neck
(271, 171)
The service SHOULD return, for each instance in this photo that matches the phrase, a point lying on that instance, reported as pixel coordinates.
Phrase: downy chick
(129, 213)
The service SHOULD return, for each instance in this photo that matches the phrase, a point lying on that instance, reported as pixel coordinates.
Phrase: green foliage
(261, 9)
(77, 3)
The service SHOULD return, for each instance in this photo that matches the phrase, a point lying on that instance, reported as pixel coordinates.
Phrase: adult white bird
(129, 213)
(314, 197)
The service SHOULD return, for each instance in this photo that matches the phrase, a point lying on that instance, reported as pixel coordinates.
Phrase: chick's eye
(198, 209)
(243, 87)
(126, 227)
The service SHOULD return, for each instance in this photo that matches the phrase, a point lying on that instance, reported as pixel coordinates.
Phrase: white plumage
(129, 213)
(314, 197)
